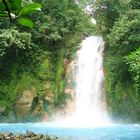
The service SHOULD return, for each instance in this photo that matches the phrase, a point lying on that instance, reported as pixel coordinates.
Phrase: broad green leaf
(26, 22)
(29, 9)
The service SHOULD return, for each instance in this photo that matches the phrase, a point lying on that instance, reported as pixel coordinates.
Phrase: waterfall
(90, 104)
(90, 96)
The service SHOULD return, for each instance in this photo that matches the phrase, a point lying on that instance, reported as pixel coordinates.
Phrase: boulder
(27, 136)
(23, 105)
(39, 109)
(49, 96)
(70, 91)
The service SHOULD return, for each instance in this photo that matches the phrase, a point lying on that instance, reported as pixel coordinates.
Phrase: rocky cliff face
(70, 86)
(28, 105)
(23, 106)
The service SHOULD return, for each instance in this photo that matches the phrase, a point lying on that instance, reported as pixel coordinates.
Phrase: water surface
(112, 132)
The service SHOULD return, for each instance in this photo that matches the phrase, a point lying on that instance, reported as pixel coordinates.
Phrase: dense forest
(38, 38)
(118, 21)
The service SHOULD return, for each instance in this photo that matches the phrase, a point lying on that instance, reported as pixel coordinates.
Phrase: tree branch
(7, 9)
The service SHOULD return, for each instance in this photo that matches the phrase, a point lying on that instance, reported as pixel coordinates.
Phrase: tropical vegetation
(39, 37)
(118, 21)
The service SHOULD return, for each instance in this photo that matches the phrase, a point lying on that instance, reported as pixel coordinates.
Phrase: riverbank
(27, 136)
(43, 132)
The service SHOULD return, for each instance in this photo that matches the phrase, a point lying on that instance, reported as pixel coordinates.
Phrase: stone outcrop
(29, 105)
(39, 109)
(49, 96)
(70, 73)
(28, 136)
(70, 88)
(24, 104)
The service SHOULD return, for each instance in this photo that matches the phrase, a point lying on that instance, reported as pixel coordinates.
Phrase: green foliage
(133, 60)
(26, 82)
(59, 79)
(119, 23)
(3, 7)
(44, 71)
(7, 93)
(8, 87)
(30, 58)
(18, 11)
(13, 5)
(62, 19)
(26, 22)
(124, 36)
(30, 8)
(106, 13)
(12, 38)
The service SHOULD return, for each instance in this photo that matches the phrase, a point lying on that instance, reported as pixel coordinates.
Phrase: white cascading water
(89, 88)
(90, 97)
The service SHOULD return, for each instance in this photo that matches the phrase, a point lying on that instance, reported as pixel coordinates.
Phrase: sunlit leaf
(29, 9)
(26, 22)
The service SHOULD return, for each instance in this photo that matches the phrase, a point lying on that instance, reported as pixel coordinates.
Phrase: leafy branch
(7, 9)
(22, 13)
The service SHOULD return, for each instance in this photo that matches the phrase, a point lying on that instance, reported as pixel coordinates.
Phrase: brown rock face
(70, 104)
(49, 96)
(38, 110)
(24, 103)
(70, 91)
(70, 72)
(70, 88)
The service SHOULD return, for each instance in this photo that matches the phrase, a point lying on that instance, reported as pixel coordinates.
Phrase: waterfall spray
(90, 101)
(90, 95)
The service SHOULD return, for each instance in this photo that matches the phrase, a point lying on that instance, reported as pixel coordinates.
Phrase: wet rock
(6, 136)
(49, 97)
(71, 92)
(39, 109)
(28, 136)
(70, 89)
(24, 102)
(70, 71)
